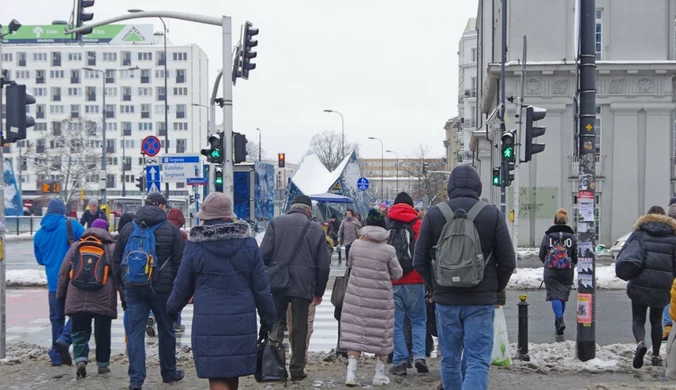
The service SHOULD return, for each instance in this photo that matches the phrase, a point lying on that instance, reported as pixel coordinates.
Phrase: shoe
(399, 370)
(379, 378)
(135, 387)
(298, 377)
(409, 362)
(351, 377)
(150, 327)
(421, 366)
(641, 350)
(81, 370)
(177, 377)
(657, 361)
(665, 334)
(104, 370)
(178, 328)
(64, 354)
(560, 326)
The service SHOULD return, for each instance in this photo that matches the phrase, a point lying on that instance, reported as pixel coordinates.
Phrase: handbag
(270, 365)
(278, 271)
(339, 288)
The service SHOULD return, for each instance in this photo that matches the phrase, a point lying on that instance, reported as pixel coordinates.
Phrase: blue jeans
(409, 300)
(465, 333)
(139, 303)
(60, 327)
(666, 317)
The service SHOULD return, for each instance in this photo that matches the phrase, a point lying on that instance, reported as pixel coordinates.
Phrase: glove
(124, 305)
(263, 332)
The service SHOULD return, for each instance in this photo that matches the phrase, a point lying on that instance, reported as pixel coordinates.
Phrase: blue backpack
(140, 256)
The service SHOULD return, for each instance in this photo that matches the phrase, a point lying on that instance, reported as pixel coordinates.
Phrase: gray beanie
(93, 202)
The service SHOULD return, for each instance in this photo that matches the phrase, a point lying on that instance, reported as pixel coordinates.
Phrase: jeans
(139, 303)
(82, 332)
(666, 317)
(465, 333)
(60, 327)
(297, 334)
(409, 301)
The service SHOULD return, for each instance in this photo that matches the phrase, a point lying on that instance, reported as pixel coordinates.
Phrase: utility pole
(586, 230)
(228, 171)
(503, 162)
(3, 287)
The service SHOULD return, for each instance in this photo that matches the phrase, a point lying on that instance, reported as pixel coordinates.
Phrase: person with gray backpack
(464, 251)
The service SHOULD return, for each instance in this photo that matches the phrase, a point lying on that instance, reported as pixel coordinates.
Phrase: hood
(656, 225)
(402, 212)
(176, 217)
(560, 229)
(464, 182)
(151, 215)
(375, 233)
(51, 222)
(99, 233)
(124, 219)
(220, 231)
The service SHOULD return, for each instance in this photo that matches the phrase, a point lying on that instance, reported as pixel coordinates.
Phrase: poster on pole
(585, 202)
(584, 308)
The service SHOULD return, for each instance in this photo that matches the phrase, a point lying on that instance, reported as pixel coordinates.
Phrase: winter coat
(464, 189)
(648, 260)
(403, 212)
(334, 227)
(50, 245)
(348, 231)
(102, 302)
(309, 271)
(557, 281)
(367, 318)
(169, 246)
(176, 217)
(88, 217)
(222, 267)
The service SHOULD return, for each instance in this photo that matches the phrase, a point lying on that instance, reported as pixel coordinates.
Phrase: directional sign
(363, 183)
(152, 178)
(180, 168)
(151, 146)
(198, 181)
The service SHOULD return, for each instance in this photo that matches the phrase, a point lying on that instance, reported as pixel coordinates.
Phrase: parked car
(617, 246)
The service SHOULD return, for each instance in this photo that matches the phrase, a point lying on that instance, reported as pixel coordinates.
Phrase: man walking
(297, 242)
(348, 232)
(92, 213)
(465, 301)
(147, 256)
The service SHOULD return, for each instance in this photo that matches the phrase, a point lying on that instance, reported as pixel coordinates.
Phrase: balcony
(126, 167)
(161, 98)
(40, 80)
(126, 132)
(110, 80)
(145, 115)
(162, 132)
(180, 79)
(470, 93)
(126, 98)
(91, 61)
(469, 124)
(40, 149)
(91, 97)
(145, 80)
(180, 114)
(56, 62)
(74, 80)
(56, 98)
(126, 61)
(161, 61)
(40, 115)
(110, 149)
(110, 114)
(22, 62)
(75, 114)
(574, 167)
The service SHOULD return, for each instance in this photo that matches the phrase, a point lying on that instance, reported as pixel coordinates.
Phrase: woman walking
(647, 262)
(223, 269)
(558, 252)
(367, 318)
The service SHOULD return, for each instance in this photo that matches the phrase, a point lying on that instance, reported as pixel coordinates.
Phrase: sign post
(151, 146)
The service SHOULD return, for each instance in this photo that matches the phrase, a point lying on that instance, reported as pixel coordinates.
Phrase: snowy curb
(21, 237)
(26, 278)
(531, 279)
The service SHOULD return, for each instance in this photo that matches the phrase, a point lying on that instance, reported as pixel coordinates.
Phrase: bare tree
(327, 146)
(70, 154)
(428, 183)
(252, 151)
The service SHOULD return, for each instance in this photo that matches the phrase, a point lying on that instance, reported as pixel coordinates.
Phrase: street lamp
(260, 144)
(395, 153)
(382, 168)
(342, 132)
(200, 132)
(104, 198)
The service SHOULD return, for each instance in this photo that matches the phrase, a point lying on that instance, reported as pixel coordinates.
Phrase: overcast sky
(390, 66)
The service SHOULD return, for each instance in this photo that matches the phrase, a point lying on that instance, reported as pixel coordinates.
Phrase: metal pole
(124, 172)
(522, 345)
(586, 328)
(517, 175)
(20, 143)
(103, 181)
(342, 134)
(228, 177)
(166, 104)
(3, 298)
(503, 161)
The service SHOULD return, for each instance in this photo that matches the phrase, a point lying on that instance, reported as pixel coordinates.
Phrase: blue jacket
(222, 267)
(50, 245)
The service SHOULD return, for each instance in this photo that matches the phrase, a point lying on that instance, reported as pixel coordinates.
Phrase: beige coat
(367, 318)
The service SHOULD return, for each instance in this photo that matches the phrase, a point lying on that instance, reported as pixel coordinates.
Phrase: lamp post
(200, 132)
(395, 153)
(342, 132)
(260, 144)
(382, 168)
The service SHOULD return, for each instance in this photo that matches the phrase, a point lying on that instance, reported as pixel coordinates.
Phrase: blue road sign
(180, 168)
(151, 146)
(363, 183)
(197, 181)
(153, 178)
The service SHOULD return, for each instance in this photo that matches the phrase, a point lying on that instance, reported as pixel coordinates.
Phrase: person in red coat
(176, 217)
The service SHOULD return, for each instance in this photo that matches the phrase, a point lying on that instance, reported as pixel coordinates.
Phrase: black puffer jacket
(309, 271)
(168, 241)
(464, 189)
(558, 281)
(648, 260)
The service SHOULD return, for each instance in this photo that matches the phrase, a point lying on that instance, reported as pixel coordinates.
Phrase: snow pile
(26, 277)
(21, 352)
(18, 237)
(524, 253)
(531, 279)
(606, 279)
(562, 357)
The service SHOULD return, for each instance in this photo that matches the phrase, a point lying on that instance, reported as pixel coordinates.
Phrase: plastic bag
(270, 365)
(500, 355)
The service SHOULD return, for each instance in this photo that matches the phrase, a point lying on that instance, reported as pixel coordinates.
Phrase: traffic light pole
(503, 162)
(228, 174)
(3, 287)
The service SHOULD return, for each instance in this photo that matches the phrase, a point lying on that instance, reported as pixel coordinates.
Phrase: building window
(110, 111)
(56, 74)
(111, 126)
(39, 57)
(599, 33)
(161, 94)
(126, 128)
(145, 110)
(91, 94)
(91, 74)
(597, 130)
(183, 91)
(473, 54)
(56, 59)
(180, 111)
(110, 181)
(127, 109)
(56, 94)
(75, 76)
(180, 56)
(126, 58)
(145, 56)
(91, 58)
(145, 126)
(74, 56)
(111, 91)
(180, 126)
(180, 76)
(159, 74)
(109, 57)
(181, 145)
(92, 109)
(145, 91)
(74, 91)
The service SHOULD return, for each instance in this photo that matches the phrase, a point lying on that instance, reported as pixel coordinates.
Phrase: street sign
(363, 183)
(198, 181)
(153, 178)
(152, 160)
(151, 146)
(180, 168)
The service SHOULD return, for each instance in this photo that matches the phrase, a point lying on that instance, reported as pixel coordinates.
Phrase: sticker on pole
(151, 146)
(584, 309)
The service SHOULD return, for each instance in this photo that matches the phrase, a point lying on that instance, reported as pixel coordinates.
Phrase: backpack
(457, 259)
(557, 257)
(402, 238)
(88, 269)
(140, 256)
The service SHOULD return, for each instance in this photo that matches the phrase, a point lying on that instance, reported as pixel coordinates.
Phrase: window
(159, 109)
(126, 74)
(112, 161)
(110, 76)
(161, 129)
(111, 91)
(39, 57)
(599, 33)
(126, 109)
(161, 94)
(180, 56)
(22, 74)
(160, 58)
(56, 94)
(145, 56)
(180, 76)
(109, 57)
(40, 126)
(91, 58)
(145, 111)
(126, 58)
(128, 143)
(126, 94)
(56, 58)
(91, 94)
(92, 109)
(597, 130)
(56, 74)
(7, 57)
(21, 59)
(75, 76)
(180, 126)
(181, 91)
(110, 111)
(472, 91)
(110, 181)
(74, 91)
(56, 128)
(181, 145)
(126, 128)
(142, 91)
(180, 111)
(39, 77)
(40, 111)
(162, 143)
(145, 76)
(126, 165)
(111, 126)
(473, 54)
(56, 109)
(110, 145)
(92, 74)
(145, 126)
(159, 74)
(74, 56)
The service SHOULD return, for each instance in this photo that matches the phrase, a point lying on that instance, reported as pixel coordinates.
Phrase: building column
(657, 155)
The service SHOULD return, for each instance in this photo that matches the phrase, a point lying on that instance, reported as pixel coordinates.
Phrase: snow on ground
(18, 237)
(531, 279)
(26, 277)
(562, 357)
(527, 252)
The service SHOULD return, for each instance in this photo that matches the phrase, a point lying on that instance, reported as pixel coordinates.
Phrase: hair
(657, 210)
(302, 207)
(351, 212)
(561, 217)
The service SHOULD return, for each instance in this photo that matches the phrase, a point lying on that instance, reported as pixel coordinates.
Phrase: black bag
(278, 272)
(402, 238)
(270, 365)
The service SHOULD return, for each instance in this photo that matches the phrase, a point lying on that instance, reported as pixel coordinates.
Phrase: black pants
(347, 254)
(82, 332)
(298, 332)
(638, 313)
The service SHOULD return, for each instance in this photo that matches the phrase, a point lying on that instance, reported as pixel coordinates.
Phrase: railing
(29, 225)
(145, 80)
(39, 80)
(75, 80)
(56, 62)
(126, 62)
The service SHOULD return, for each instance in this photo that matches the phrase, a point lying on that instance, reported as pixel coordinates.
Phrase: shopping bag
(500, 355)
(270, 365)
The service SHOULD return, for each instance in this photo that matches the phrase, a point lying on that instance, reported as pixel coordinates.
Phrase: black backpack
(402, 238)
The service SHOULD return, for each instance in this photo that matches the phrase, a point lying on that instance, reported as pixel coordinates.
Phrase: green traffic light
(219, 180)
(215, 154)
(496, 181)
(508, 152)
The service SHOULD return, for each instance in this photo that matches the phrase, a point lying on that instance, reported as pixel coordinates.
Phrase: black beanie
(403, 197)
(375, 218)
(302, 199)
(672, 201)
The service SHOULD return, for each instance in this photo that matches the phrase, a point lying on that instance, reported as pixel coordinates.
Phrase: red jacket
(404, 213)
(177, 218)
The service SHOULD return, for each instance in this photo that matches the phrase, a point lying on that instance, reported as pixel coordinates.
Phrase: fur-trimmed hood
(656, 224)
(220, 231)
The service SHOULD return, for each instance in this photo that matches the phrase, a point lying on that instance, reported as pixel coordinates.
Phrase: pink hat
(100, 223)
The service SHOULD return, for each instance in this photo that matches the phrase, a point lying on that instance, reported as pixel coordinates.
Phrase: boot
(560, 326)
(81, 370)
(379, 378)
(351, 377)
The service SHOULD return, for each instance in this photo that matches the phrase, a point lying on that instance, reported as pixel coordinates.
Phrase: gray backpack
(457, 259)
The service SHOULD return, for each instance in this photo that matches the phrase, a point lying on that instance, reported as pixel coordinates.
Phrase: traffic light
(281, 160)
(508, 175)
(425, 168)
(533, 114)
(215, 152)
(82, 16)
(239, 140)
(508, 145)
(141, 183)
(218, 181)
(17, 107)
(247, 53)
(497, 177)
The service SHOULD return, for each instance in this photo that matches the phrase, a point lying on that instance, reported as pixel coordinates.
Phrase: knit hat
(302, 199)
(375, 218)
(216, 206)
(382, 205)
(672, 201)
(93, 202)
(403, 197)
(56, 206)
(155, 199)
(100, 223)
